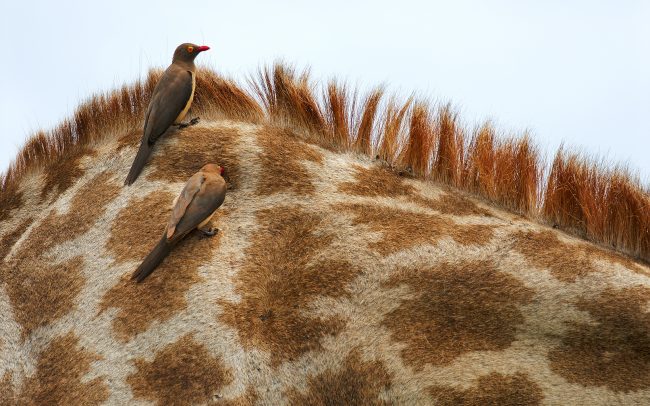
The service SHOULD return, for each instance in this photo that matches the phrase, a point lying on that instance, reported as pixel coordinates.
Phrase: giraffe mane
(607, 205)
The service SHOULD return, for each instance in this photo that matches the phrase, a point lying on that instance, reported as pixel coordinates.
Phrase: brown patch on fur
(492, 389)
(545, 250)
(162, 295)
(139, 225)
(357, 383)
(403, 229)
(130, 139)
(10, 200)
(458, 308)
(595, 252)
(280, 162)
(283, 274)
(566, 262)
(8, 396)
(473, 234)
(86, 206)
(59, 377)
(9, 239)
(376, 181)
(62, 173)
(614, 351)
(381, 181)
(41, 292)
(454, 204)
(182, 373)
(136, 230)
(193, 147)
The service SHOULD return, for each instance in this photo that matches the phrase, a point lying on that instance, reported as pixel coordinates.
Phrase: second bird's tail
(155, 257)
(139, 162)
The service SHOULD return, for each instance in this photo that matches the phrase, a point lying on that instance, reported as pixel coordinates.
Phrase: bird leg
(208, 232)
(189, 123)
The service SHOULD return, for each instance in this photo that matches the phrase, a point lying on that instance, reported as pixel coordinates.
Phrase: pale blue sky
(573, 71)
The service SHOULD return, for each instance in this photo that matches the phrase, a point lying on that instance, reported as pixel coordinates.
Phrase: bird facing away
(170, 101)
(193, 209)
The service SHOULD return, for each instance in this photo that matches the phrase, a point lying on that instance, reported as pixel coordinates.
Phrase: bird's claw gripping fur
(210, 232)
(193, 121)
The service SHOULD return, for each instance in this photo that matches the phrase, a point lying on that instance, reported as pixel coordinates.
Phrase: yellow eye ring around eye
(190, 49)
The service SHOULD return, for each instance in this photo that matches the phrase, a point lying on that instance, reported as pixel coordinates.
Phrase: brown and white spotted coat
(332, 281)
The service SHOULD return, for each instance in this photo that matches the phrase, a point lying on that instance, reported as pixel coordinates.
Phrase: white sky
(573, 71)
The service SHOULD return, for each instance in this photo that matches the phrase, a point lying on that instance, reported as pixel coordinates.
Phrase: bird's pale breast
(181, 116)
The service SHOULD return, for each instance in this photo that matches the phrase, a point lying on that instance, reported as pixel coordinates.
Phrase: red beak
(203, 48)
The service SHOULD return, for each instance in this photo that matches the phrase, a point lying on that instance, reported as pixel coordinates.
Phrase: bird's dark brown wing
(170, 97)
(204, 201)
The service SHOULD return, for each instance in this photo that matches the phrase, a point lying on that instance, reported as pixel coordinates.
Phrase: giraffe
(338, 276)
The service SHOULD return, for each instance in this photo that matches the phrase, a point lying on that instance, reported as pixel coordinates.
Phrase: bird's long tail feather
(139, 162)
(155, 257)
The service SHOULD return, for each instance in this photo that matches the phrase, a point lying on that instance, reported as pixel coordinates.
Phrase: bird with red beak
(192, 210)
(170, 101)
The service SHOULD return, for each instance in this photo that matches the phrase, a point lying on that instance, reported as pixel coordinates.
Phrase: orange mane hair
(608, 206)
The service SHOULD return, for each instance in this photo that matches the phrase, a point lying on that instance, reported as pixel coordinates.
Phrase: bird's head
(187, 52)
(214, 168)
